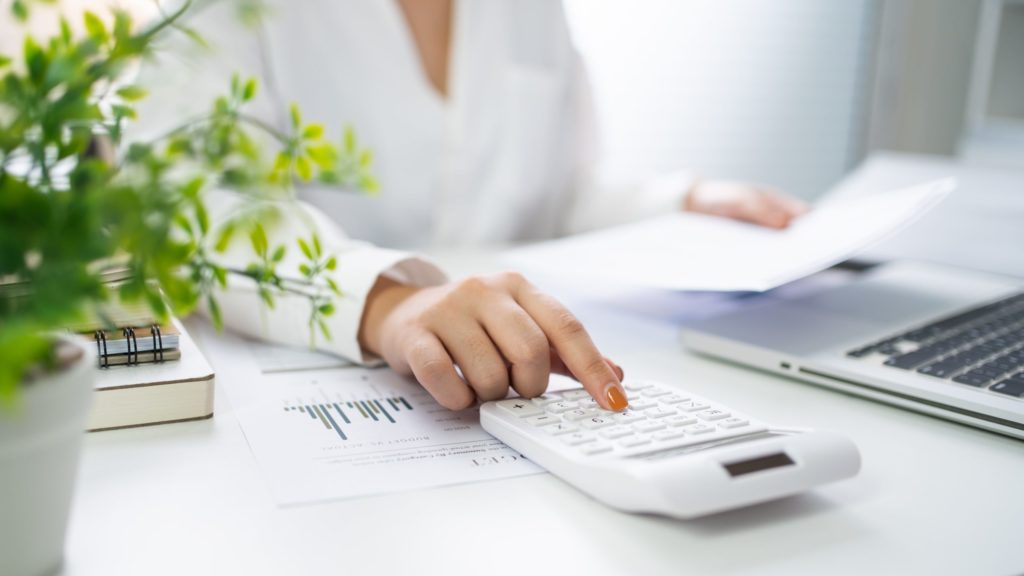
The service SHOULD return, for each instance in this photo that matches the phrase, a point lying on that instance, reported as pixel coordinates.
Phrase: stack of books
(149, 373)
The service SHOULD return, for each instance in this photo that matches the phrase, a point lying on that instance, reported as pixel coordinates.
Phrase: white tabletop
(933, 497)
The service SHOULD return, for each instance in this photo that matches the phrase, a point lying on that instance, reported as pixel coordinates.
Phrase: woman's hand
(746, 202)
(498, 330)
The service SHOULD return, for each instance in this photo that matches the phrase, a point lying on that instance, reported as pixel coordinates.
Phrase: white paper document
(704, 253)
(272, 358)
(329, 434)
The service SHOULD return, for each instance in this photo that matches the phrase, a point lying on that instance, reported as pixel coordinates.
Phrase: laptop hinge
(916, 399)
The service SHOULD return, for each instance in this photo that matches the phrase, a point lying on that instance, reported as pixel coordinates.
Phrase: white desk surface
(932, 498)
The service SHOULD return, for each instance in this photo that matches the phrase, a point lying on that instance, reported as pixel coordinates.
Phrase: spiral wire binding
(101, 349)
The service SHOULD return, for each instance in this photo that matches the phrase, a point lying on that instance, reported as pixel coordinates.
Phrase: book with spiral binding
(136, 345)
(148, 392)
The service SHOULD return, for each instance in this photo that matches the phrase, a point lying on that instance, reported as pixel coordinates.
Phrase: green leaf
(95, 26)
(323, 154)
(224, 236)
(221, 105)
(305, 249)
(296, 115)
(195, 36)
(369, 184)
(323, 328)
(156, 302)
(267, 296)
(303, 168)
(332, 263)
(4, 61)
(122, 111)
(132, 93)
(312, 132)
(122, 25)
(282, 162)
(221, 275)
(279, 253)
(350, 141)
(215, 315)
(184, 224)
(249, 92)
(317, 250)
(192, 188)
(258, 237)
(333, 286)
(202, 218)
(365, 159)
(20, 10)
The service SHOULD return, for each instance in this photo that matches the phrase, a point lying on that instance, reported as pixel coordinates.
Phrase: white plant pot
(40, 441)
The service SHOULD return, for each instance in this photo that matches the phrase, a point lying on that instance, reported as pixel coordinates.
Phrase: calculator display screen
(777, 460)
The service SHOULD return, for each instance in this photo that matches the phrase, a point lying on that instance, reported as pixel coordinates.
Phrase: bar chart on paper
(337, 414)
(339, 433)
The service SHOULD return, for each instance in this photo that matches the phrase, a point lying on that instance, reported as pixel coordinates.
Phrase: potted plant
(78, 203)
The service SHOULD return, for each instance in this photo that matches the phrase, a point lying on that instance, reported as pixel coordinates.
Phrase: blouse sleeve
(183, 83)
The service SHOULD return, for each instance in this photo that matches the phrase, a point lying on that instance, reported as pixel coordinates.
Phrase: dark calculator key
(1010, 387)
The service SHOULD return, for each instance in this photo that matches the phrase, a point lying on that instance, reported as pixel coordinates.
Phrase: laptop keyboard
(982, 347)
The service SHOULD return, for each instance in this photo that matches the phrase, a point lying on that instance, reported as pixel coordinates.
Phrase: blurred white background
(795, 93)
(774, 91)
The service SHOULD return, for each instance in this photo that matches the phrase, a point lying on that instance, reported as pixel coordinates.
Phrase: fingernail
(616, 397)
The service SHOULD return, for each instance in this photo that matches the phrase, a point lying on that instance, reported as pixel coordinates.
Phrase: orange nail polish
(616, 397)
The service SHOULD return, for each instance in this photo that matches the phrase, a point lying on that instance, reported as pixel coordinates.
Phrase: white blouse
(506, 156)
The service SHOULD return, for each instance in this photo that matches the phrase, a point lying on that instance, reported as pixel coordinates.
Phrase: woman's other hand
(746, 202)
(499, 331)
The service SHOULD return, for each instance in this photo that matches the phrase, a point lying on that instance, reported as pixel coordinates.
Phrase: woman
(479, 115)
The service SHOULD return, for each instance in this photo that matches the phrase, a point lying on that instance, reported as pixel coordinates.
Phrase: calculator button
(543, 420)
(659, 413)
(655, 392)
(642, 404)
(596, 448)
(698, 429)
(673, 399)
(627, 416)
(713, 415)
(560, 428)
(595, 422)
(633, 441)
(575, 395)
(561, 406)
(616, 432)
(681, 421)
(579, 414)
(693, 406)
(648, 426)
(733, 423)
(545, 399)
(638, 385)
(577, 438)
(670, 434)
(520, 407)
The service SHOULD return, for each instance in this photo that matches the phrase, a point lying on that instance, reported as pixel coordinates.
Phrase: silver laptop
(940, 340)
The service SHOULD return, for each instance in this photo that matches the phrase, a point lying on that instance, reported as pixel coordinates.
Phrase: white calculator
(671, 452)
